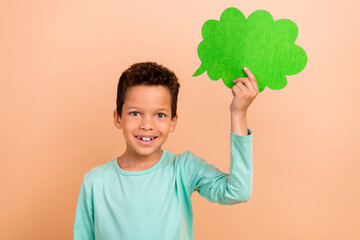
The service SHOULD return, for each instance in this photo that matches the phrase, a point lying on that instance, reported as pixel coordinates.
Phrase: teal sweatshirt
(155, 203)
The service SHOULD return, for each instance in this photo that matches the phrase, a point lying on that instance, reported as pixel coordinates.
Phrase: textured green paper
(264, 46)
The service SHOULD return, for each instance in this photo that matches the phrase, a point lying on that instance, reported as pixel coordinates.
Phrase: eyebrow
(159, 109)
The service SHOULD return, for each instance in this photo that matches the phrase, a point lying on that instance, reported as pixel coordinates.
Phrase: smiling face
(145, 121)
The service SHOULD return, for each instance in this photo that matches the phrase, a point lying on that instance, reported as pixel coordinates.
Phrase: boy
(145, 194)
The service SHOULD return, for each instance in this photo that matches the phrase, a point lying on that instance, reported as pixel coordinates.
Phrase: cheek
(129, 125)
(164, 126)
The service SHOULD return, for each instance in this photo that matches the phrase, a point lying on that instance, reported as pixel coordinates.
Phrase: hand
(244, 91)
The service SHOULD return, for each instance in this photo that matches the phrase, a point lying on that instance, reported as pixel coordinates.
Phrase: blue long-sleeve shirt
(155, 203)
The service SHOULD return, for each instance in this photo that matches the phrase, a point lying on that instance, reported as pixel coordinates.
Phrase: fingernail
(245, 68)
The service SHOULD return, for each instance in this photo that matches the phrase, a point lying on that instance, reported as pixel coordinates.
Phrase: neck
(131, 159)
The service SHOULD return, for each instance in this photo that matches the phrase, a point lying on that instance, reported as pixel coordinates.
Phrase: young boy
(145, 194)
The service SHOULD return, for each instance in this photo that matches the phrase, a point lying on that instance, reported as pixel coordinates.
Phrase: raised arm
(244, 91)
(217, 186)
(235, 187)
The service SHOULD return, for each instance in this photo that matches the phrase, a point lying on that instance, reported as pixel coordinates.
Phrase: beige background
(60, 63)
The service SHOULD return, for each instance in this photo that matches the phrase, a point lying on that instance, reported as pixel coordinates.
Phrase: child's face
(146, 113)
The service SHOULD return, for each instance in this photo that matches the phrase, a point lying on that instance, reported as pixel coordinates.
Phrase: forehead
(155, 96)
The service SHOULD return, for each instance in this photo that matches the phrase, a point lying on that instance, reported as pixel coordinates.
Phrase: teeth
(146, 139)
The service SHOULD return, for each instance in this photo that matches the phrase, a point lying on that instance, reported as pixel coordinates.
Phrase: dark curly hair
(147, 73)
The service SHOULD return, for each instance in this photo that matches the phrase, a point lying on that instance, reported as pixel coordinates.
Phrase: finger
(247, 83)
(241, 85)
(252, 89)
(240, 81)
(235, 90)
(252, 79)
(253, 83)
(244, 80)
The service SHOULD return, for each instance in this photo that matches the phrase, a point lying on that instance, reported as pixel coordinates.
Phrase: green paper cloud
(265, 46)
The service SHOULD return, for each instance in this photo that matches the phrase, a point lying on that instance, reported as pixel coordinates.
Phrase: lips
(146, 137)
(146, 140)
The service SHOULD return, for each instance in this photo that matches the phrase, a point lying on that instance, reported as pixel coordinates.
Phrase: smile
(145, 140)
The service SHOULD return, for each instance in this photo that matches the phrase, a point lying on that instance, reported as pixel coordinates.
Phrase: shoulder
(98, 173)
(186, 155)
(184, 159)
(188, 161)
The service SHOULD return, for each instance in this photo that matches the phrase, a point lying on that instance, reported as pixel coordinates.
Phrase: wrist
(238, 114)
(239, 123)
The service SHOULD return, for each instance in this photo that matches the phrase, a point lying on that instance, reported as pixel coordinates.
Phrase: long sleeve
(223, 188)
(84, 216)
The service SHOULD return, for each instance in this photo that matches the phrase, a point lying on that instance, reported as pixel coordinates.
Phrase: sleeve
(84, 216)
(223, 188)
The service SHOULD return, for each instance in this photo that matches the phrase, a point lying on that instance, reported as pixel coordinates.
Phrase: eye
(134, 114)
(161, 115)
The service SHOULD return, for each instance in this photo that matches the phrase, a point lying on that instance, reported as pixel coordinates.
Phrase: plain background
(60, 63)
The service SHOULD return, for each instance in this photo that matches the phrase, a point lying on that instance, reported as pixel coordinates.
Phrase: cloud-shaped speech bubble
(264, 46)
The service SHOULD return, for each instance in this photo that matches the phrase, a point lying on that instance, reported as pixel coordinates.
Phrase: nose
(147, 123)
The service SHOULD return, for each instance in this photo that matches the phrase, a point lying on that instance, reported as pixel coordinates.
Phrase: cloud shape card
(264, 46)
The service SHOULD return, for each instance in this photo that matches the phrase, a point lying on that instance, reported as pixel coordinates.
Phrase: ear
(173, 123)
(117, 120)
